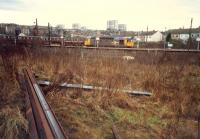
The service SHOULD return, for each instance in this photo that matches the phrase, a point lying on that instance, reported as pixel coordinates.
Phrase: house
(10, 29)
(42, 30)
(183, 34)
(2, 29)
(25, 30)
(155, 37)
(151, 36)
(21, 35)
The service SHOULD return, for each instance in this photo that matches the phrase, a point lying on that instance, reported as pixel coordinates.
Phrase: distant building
(151, 36)
(76, 26)
(10, 29)
(112, 25)
(122, 27)
(58, 31)
(2, 29)
(183, 34)
(155, 37)
(42, 30)
(25, 30)
(83, 28)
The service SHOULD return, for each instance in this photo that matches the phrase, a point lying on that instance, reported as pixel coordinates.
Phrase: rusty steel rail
(47, 125)
(116, 132)
(90, 87)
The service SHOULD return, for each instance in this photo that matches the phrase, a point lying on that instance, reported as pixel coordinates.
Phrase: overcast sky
(137, 14)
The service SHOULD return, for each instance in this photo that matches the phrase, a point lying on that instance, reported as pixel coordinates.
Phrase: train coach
(39, 41)
(125, 42)
(104, 41)
(109, 42)
(99, 41)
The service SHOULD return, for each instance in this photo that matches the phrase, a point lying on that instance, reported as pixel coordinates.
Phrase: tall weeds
(174, 80)
(13, 124)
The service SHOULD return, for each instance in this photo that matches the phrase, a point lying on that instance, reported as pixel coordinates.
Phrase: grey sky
(137, 14)
(10, 4)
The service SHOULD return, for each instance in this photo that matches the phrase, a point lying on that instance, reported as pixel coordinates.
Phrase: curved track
(47, 126)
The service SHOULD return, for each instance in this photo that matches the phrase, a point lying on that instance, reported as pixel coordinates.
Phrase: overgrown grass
(13, 124)
(170, 113)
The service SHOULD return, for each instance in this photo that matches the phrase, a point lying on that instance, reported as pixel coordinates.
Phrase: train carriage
(99, 41)
(110, 42)
(125, 42)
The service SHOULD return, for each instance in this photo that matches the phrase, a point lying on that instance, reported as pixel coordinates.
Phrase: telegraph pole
(165, 39)
(147, 34)
(49, 34)
(198, 39)
(35, 30)
(36, 27)
(35, 42)
(190, 32)
(138, 44)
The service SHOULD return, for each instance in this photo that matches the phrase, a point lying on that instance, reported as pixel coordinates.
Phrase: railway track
(58, 42)
(89, 88)
(42, 120)
(116, 133)
(136, 49)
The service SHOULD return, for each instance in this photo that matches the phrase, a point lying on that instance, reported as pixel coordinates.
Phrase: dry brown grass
(169, 113)
(13, 124)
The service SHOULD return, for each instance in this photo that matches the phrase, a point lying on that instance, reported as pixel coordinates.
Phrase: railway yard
(31, 110)
(99, 69)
